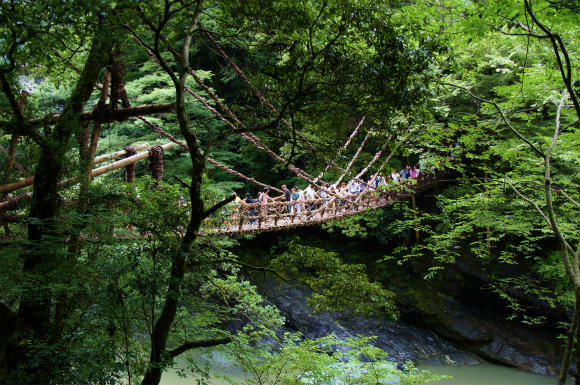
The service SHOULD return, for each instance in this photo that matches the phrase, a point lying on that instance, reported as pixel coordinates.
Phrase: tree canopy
(106, 281)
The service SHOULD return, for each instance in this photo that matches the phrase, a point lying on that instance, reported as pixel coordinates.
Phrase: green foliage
(322, 64)
(268, 359)
(483, 217)
(242, 300)
(336, 286)
(386, 226)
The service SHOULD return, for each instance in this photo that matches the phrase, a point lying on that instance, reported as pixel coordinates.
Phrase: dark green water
(488, 374)
(485, 374)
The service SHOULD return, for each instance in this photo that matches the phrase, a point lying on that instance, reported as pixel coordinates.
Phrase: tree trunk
(42, 258)
(572, 333)
(165, 320)
(14, 140)
(167, 316)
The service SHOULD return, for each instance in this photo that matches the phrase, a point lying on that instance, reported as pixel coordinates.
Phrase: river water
(484, 374)
(488, 374)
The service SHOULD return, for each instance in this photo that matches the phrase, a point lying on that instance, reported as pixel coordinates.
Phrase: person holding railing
(310, 196)
(262, 199)
(354, 191)
(285, 197)
(295, 198)
(252, 212)
(323, 194)
(395, 176)
(342, 194)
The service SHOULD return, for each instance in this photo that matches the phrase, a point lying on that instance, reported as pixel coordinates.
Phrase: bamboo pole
(94, 173)
(353, 159)
(99, 159)
(116, 154)
(124, 162)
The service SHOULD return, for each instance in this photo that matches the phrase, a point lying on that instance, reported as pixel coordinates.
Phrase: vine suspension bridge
(250, 217)
(245, 218)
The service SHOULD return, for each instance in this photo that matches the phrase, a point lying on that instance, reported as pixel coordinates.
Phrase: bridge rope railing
(242, 218)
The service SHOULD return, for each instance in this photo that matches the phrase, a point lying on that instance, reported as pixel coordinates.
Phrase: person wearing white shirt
(310, 195)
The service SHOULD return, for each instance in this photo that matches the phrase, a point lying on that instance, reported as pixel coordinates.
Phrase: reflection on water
(487, 374)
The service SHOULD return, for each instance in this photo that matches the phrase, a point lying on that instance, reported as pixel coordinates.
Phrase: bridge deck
(273, 216)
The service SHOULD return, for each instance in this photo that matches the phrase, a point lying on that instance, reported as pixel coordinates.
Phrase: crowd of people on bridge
(333, 197)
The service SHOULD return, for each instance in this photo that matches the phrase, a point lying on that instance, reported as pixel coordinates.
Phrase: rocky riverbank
(433, 329)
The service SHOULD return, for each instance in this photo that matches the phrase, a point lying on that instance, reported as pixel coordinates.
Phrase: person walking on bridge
(295, 196)
(285, 197)
(237, 202)
(395, 176)
(415, 172)
(342, 194)
(323, 193)
(310, 196)
(301, 199)
(249, 200)
(264, 198)
(331, 205)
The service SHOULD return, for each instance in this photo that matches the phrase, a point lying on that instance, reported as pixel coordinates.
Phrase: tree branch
(10, 96)
(503, 117)
(353, 158)
(547, 219)
(219, 205)
(344, 147)
(199, 344)
(109, 116)
(564, 245)
(558, 46)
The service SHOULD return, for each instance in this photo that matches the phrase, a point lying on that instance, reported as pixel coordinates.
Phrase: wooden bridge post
(129, 176)
(156, 164)
(277, 213)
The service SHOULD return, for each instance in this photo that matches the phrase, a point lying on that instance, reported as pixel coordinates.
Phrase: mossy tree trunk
(41, 259)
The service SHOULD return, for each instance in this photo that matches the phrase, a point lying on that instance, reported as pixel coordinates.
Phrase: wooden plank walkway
(274, 216)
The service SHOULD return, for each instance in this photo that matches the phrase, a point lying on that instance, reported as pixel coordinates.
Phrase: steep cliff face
(479, 329)
(433, 329)
(453, 320)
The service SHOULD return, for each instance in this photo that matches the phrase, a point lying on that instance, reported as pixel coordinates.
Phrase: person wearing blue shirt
(250, 200)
